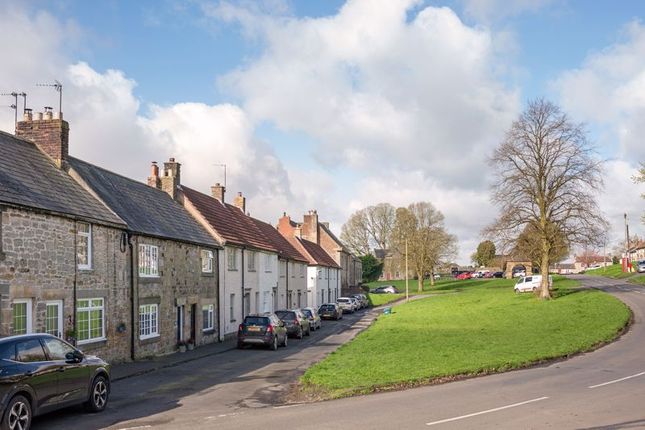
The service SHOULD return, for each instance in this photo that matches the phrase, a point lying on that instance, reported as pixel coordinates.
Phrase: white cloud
(107, 126)
(376, 88)
(609, 89)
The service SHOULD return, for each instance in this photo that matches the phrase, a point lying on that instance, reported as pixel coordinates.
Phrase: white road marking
(617, 380)
(485, 412)
(136, 428)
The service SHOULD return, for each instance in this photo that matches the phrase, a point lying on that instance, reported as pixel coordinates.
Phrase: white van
(530, 283)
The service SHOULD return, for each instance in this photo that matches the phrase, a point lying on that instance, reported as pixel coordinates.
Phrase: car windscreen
(286, 315)
(308, 313)
(256, 321)
(327, 307)
(343, 300)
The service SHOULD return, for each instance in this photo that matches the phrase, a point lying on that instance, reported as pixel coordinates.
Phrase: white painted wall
(231, 284)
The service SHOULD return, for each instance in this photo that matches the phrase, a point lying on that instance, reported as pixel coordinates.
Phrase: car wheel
(98, 395)
(534, 289)
(284, 342)
(308, 332)
(17, 415)
(274, 344)
(517, 291)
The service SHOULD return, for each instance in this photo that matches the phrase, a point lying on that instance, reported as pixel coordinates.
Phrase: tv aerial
(59, 88)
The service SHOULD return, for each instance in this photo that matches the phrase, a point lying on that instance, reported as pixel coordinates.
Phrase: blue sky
(334, 105)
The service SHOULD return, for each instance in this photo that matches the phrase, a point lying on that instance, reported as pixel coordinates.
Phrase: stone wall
(180, 282)
(39, 264)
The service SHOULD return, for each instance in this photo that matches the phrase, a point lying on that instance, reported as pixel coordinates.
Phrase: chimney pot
(58, 115)
(217, 191)
(39, 116)
(153, 179)
(240, 202)
(48, 115)
(27, 116)
(171, 159)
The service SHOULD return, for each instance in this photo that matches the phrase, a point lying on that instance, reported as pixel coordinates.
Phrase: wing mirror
(75, 356)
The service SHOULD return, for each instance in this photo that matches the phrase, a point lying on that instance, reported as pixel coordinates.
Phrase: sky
(334, 105)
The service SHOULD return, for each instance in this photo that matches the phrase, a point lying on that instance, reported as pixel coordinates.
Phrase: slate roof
(285, 249)
(229, 221)
(30, 179)
(146, 210)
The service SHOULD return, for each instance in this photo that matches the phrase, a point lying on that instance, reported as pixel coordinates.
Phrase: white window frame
(267, 263)
(89, 309)
(210, 320)
(59, 319)
(207, 261)
(28, 325)
(250, 261)
(149, 312)
(85, 235)
(148, 261)
(231, 258)
(302, 270)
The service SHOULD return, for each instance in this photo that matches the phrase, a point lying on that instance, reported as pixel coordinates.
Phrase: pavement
(136, 368)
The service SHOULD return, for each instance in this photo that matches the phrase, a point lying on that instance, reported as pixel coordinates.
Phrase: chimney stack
(310, 226)
(240, 202)
(50, 135)
(217, 191)
(171, 178)
(153, 180)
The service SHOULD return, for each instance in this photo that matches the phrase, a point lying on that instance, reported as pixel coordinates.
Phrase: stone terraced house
(175, 282)
(63, 264)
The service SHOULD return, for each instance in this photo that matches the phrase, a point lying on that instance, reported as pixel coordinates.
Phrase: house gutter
(287, 283)
(132, 298)
(242, 268)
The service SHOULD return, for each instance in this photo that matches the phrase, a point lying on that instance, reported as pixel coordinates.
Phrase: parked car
(519, 273)
(262, 329)
(346, 304)
(530, 283)
(464, 275)
(475, 275)
(640, 266)
(314, 319)
(295, 321)
(498, 274)
(40, 373)
(362, 298)
(385, 289)
(357, 304)
(330, 311)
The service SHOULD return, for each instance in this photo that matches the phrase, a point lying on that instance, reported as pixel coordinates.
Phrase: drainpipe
(328, 285)
(219, 312)
(132, 298)
(287, 277)
(242, 284)
(75, 290)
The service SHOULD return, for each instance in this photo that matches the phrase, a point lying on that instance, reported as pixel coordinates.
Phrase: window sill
(85, 269)
(93, 342)
(208, 331)
(231, 270)
(149, 339)
(250, 270)
(208, 274)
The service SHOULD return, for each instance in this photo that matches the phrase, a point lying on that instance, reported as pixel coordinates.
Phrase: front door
(180, 323)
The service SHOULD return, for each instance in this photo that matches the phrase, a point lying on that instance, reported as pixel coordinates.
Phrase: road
(603, 389)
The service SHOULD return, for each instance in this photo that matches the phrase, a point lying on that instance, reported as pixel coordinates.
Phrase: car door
(73, 375)
(37, 372)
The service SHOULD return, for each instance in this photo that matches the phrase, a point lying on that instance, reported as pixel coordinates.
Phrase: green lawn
(381, 299)
(615, 271)
(484, 328)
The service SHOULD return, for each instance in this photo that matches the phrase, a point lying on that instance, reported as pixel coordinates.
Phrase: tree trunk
(420, 282)
(432, 276)
(545, 293)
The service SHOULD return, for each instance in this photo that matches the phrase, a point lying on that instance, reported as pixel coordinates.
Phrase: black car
(263, 329)
(330, 311)
(296, 322)
(40, 373)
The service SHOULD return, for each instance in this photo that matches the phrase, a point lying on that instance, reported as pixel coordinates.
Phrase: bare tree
(428, 243)
(547, 178)
(354, 233)
(369, 228)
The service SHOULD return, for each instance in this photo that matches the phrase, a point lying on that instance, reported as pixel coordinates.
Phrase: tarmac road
(603, 389)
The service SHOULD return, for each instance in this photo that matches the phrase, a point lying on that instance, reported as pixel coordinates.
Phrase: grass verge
(484, 329)
(615, 271)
